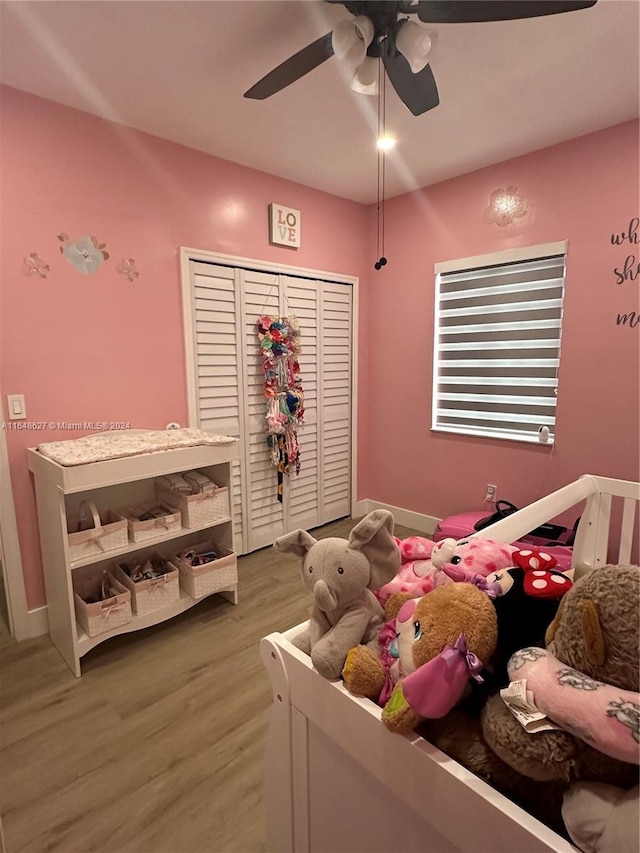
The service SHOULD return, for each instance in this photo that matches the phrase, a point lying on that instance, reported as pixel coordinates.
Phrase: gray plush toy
(340, 574)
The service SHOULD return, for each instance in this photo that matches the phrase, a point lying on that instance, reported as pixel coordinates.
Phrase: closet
(222, 306)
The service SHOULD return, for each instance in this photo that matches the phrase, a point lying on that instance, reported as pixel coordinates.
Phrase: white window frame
(529, 435)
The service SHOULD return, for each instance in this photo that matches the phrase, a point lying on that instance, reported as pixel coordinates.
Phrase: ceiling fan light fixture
(386, 142)
(365, 77)
(350, 40)
(414, 43)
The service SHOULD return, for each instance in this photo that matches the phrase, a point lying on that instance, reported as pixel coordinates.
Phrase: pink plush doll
(472, 557)
(416, 572)
(419, 574)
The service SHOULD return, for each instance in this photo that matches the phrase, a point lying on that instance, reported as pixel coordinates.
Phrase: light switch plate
(17, 407)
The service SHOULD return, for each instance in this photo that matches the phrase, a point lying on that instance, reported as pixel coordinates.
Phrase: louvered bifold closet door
(302, 493)
(264, 520)
(217, 355)
(498, 348)
(335, 373)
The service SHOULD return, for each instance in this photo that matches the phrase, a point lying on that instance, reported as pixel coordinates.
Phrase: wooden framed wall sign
(284, 226)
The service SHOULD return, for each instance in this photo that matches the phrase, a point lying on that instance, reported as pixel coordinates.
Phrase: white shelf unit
(116, 484)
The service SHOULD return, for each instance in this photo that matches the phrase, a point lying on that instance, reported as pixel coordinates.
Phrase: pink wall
(581, 191)
(98, 347)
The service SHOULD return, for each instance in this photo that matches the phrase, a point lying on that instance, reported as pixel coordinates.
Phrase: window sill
(522, 439)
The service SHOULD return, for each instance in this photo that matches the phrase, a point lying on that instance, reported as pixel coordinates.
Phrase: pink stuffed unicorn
(425, 563)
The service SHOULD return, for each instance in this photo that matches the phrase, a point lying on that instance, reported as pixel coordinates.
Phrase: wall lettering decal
(629, 270)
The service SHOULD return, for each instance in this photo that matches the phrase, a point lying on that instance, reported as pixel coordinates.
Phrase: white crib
(338, 782)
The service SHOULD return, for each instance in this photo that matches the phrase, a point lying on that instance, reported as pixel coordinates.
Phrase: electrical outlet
(492, 492)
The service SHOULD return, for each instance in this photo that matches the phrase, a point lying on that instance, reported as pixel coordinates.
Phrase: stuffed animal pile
(586, 681)
(459, 614)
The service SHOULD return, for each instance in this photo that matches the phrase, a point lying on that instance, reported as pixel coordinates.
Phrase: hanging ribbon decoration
(279, 340)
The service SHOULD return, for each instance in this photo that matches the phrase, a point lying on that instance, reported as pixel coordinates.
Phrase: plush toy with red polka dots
(541, 580)
(526, 598)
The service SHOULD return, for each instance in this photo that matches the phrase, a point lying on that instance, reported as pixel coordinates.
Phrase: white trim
(24, 623)
(189, 254)
(37, 623)
(355, 315)
(189, 337)
(524, 253)
(407, 517)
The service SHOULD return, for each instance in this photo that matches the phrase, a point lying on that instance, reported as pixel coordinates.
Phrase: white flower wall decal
(86, 254)
(505, 205)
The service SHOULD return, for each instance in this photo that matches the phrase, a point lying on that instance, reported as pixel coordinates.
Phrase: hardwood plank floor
(159, 746)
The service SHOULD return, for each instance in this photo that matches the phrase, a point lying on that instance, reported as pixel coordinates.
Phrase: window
(498, 321)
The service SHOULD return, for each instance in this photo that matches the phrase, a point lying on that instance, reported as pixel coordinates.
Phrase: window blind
(497, 348)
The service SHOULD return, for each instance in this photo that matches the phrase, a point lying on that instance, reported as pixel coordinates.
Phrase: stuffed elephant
(341, 575)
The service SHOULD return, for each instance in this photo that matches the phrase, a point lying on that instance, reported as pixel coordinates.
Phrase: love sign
(284, 226)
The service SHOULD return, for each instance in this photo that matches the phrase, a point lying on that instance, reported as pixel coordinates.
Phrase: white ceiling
(178, 69)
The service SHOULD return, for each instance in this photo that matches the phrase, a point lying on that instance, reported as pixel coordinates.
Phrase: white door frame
(187, 255)
(23, 624)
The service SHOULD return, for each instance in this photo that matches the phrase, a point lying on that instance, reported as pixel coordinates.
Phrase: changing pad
(100, 448)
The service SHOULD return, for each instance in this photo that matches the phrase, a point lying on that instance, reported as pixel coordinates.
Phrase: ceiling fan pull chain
(382, 128)
(383, 259)
(378, 163)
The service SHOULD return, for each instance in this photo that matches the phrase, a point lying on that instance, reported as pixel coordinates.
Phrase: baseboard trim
(407, 517)
(35, 625)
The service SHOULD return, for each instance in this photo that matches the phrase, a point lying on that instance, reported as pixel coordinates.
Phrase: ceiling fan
(380, 29)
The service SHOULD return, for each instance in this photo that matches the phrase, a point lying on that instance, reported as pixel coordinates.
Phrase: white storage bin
(140, 531)
(200, 509)
(218, 574)
(109, 532)
(100, 616)
(149, 595)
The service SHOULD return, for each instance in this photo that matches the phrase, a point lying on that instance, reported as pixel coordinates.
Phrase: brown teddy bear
(587, 681)
(441, 641)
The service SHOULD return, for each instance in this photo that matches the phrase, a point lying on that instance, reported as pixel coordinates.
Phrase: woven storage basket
(152, 594)
(140, 531)
(198, 581)
(103, 615)
(200, 509)
(109, 532)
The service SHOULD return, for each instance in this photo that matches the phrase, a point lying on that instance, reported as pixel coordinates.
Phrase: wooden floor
(159, 746)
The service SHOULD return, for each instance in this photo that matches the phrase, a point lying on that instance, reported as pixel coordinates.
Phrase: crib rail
(596, 535)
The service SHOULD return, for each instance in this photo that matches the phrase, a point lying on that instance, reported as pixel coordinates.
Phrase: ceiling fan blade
(474, 11)
(417, 91)
(292, 69)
